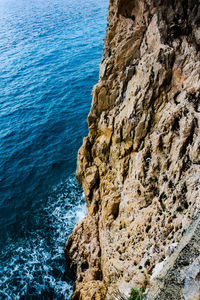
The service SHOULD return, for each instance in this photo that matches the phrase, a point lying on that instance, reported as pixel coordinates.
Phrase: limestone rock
(179, 278)
(140, 164)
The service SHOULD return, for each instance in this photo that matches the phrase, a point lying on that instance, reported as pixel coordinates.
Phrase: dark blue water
(50, 52)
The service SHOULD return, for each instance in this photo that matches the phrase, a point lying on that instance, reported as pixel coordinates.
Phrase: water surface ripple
(49, 60)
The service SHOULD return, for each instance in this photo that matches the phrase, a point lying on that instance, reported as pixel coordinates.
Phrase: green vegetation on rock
(136, 294)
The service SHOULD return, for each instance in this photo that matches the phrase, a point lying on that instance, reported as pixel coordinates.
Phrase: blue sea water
(50, 52)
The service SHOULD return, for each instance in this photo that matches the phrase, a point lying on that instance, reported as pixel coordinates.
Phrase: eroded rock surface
(179, 279)
(140, 164)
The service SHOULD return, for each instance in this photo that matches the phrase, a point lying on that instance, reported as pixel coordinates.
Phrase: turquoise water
(49, 60)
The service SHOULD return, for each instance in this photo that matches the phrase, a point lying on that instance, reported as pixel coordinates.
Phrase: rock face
(180, 276)
(140, 164)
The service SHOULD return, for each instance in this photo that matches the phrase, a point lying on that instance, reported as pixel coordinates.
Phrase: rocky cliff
(140, 164)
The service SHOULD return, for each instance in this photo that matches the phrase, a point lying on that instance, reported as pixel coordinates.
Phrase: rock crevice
(140, 164)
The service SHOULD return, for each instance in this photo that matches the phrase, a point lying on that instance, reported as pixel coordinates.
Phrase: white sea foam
(81, 212)
(33, 268)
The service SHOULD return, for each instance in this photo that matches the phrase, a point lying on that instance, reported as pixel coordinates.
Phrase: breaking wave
(34, 267)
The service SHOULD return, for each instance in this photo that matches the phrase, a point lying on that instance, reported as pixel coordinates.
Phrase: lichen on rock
(140, 164)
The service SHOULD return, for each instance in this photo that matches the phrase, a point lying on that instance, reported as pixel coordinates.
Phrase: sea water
(50, 52)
